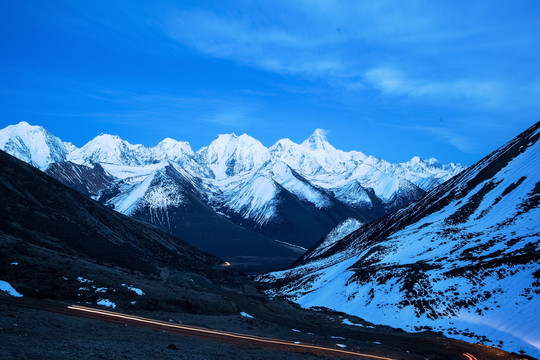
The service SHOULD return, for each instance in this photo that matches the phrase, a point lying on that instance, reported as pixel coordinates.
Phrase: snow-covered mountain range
(287, 196)
(463, 260)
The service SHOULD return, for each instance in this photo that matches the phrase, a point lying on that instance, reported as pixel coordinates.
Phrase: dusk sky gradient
(447, 79)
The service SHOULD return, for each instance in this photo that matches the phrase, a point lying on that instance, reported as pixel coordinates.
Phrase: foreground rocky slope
(464, 259)
(266, 205)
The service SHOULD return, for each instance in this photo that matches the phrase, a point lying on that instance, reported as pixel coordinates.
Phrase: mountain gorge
(257, 207)
(463, 260)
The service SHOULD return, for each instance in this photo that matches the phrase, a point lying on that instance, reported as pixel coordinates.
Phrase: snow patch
(349, 322)
(6, 287)
(106, 302)
(134, 289)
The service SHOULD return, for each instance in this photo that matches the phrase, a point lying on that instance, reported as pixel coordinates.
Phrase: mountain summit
(33, 144)
(318, 141)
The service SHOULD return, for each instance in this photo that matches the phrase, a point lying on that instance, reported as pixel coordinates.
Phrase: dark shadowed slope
(57, 238)
(88, 180)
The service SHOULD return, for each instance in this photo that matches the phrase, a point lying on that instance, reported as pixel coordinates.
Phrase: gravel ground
(36, 334)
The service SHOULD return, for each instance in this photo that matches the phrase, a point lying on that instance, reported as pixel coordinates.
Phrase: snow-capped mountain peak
(32, 144)
(294, 193)
(108, 149)
(318, 141)
(173, 149)
(416, 160)
(229, 155)
(313, 156)
(433, 162)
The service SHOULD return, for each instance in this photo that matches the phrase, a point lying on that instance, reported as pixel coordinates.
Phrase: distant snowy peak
(229, 155)
(109, 149)
(318, 141)
(315, 155)
(426, 174)
(430, 166)
(33, 144)
(354, 178)
(170, 149)
(226, 156)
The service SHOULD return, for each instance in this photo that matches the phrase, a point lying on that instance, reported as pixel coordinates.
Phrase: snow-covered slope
(463, 260)
(252, 197)
(337, 233)
(171, 199)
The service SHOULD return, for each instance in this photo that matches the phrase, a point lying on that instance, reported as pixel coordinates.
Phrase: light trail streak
(194, 329)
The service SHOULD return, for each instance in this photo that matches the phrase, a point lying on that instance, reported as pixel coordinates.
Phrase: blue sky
(451, 80)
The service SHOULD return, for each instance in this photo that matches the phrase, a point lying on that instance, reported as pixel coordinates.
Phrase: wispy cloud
(472, 134)
(463, 141)
(273, 48)
(393, 82)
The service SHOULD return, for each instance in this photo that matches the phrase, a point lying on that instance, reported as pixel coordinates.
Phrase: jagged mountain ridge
(464, 259)
(292, 193)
